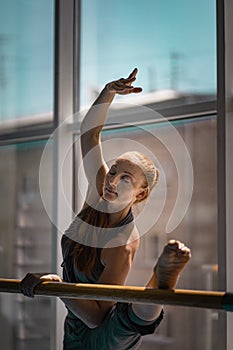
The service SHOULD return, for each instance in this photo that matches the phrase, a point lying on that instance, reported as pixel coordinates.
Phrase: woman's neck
(116, 217)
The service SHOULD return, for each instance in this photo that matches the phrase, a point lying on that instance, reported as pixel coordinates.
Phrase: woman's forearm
(148, 312)
(91, 312)
(97, 114)
(95, 118)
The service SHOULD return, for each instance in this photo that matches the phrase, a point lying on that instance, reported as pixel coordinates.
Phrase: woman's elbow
(89, 131)
(95, 321)
(92, 325)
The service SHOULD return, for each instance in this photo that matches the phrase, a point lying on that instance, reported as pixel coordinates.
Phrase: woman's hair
(85, 256)
(148, 167)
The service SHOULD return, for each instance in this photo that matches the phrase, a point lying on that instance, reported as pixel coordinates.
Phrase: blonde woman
(101, 242)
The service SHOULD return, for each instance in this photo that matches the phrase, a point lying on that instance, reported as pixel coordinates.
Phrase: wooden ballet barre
(191, 298)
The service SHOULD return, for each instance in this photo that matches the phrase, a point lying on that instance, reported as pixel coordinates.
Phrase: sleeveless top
(122, 329)
(70, 272)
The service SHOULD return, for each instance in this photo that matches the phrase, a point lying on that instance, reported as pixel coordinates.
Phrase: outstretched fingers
(51, 277)
(131, 78)
(133, 74)
(123, 86)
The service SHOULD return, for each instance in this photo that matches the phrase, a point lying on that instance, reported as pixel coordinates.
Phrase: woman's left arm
(117, 262)
(92, 124)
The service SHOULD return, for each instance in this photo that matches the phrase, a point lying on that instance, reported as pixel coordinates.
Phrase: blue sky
(116, 37)
(120, 35)
(26, 64)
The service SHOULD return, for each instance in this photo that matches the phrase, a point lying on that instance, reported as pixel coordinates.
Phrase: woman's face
(124, 183)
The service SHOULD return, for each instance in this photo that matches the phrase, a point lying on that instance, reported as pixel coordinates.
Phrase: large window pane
(25, 246)
(171, 42)
(185, 328)
(26, 61)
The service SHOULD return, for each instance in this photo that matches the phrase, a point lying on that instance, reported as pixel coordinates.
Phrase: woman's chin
(114, 204)
(109, 196)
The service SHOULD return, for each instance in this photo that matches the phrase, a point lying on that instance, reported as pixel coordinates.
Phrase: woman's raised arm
(91, 126)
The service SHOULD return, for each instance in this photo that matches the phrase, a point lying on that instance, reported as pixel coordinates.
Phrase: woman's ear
(142, 195)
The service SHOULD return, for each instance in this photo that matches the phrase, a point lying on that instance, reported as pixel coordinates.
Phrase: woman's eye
(112, 171)
(126, 178)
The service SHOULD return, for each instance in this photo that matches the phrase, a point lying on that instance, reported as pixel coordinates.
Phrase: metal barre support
(179, 297)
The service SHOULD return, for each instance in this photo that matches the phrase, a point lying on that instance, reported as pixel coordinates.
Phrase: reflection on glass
(182, 328)
(25, 246)
(26, 61)
(175, 56)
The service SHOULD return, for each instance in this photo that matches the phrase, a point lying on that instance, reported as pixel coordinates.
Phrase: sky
(26, 57)
(157, 36)
(172, 42)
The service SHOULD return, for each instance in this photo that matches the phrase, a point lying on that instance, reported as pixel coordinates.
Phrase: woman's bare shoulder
(123, 249)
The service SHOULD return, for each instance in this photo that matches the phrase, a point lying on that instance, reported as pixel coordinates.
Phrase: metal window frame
(32, 132)
(225, 159)
(23, 131)
(221, 175)
(64, 102)
(224, 111)
(67, 87)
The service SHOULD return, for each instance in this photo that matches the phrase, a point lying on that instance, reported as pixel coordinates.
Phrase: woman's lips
(107, 189)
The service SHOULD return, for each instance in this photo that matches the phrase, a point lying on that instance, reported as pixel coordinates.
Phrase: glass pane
(171, 42)
(182, 328)
(25, 246)
(26, 61)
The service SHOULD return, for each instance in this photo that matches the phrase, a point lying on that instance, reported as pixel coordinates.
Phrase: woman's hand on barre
(32, 280)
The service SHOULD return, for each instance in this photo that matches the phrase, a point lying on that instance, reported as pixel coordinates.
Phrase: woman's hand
(123, 86)
(32, 280)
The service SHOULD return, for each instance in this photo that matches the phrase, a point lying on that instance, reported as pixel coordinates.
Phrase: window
(198, 229)
(171, 42)
(177, 70)
(26, 110)
(25, 245)
(26, 62)
(173, 45)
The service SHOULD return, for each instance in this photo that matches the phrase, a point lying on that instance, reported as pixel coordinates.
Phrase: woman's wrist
(105, 96)
(108, 91)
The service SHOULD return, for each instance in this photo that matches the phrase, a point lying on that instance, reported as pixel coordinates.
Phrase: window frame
(23, 130)
(225, 162)
(67, 102)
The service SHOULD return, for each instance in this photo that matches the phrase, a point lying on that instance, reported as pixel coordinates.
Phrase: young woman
(107, 223)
